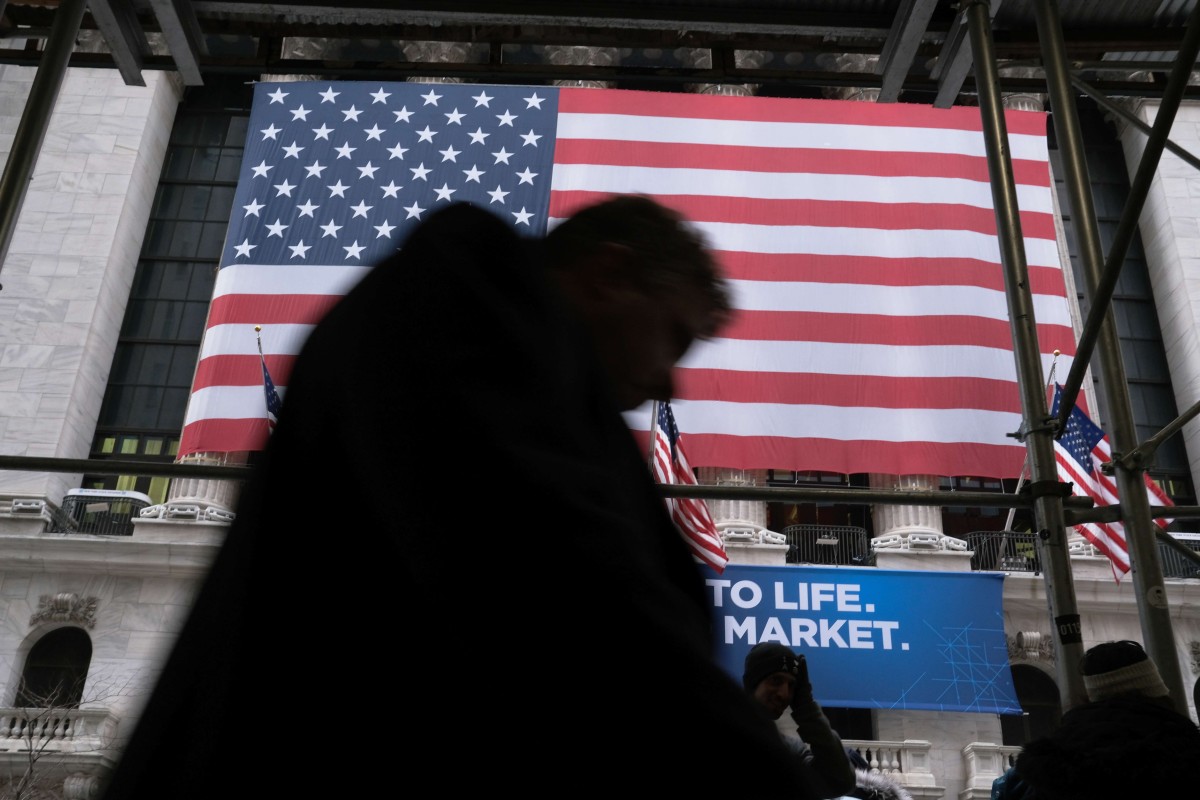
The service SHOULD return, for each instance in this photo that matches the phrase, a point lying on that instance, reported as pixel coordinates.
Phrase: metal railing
(1004, 551)
(105, 512)
(845, 545)
(1175, 565)
(1016, 551)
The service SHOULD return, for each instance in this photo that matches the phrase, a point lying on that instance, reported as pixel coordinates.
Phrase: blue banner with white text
(873, 638)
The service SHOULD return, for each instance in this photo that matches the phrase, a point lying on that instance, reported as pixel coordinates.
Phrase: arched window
(55, 670)
(1038, 695)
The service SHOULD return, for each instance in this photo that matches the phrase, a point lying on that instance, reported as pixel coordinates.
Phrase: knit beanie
(1114, 668)
(767, 658)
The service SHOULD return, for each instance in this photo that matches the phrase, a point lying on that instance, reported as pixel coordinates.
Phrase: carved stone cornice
(66, 607)
(1030, 646)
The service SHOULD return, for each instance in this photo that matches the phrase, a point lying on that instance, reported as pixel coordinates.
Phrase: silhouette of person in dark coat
(452, 570)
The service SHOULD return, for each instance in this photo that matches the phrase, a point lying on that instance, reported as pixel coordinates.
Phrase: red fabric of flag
(690, 514)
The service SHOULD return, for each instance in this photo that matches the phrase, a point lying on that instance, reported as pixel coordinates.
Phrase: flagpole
(653, 433)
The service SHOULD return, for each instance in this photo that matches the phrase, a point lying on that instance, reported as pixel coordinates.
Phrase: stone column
(749, 514)
(580, 56)
(435, 53)
(1023, 101)
(702, 57)
(851, 62)
(197, 499)
(906, 526)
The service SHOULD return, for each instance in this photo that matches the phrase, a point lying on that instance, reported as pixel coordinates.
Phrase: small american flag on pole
(272, 394)
(690, 514)
(1078, 454)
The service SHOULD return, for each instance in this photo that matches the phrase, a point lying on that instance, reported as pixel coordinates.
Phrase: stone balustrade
(983, 762)
(61, 730)
(908, 761)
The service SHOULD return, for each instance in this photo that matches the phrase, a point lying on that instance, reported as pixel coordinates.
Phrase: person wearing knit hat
(1128, 740)
(1115, 668)
(776, 678)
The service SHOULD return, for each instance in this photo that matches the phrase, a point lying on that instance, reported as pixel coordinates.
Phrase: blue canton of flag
(338, 173)
(1080, 436)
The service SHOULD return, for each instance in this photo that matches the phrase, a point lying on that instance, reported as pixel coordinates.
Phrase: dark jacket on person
(1120, 747)
(452, 571)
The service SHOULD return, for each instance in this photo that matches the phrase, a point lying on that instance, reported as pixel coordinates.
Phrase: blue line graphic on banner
(873, 638)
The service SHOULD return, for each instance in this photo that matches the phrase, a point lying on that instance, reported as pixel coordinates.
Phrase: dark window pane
(124, 363)
(176, 278)
(220, 203)
(166, 201)
(186, 239)
(116, 404)
(145, 280)
(173, 404)
(212, 239)
(204, 275)
(155, 365)
(158, 239)
(211, 130)
(235, 133)
(177, 164)
(204, 164)
(191, 322)
(194, 203)
(144, 408)
(228, 165)
(183, 366)
(166, 320)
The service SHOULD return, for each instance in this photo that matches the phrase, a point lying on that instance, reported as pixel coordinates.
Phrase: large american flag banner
(670, 466)
(872, 332)
(1079, 454)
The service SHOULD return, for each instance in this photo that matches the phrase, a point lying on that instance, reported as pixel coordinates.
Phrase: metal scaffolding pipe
(1146, 564)
(1038, 434)
(1140, 187)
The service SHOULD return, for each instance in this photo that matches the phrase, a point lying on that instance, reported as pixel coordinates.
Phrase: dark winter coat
(444, 538)
(1121, 747)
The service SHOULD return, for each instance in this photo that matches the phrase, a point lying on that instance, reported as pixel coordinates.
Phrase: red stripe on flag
(241, 370)
(837, 455)
(229, 435)
(812, 326)
(869, 270)
(673, 155)
(846, 391)
(273, 309)
(700, 107)
(827, 213)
